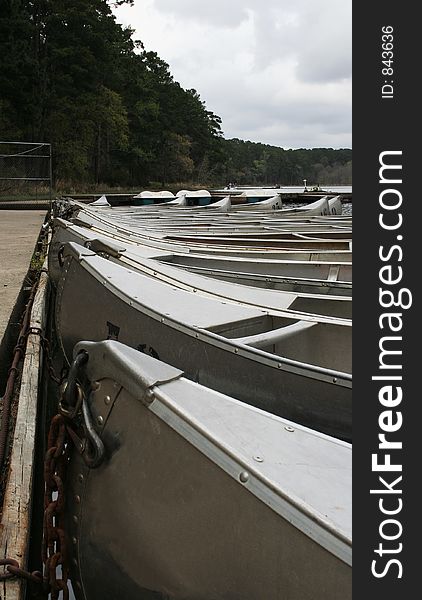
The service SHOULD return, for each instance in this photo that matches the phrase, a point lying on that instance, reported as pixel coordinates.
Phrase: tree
(72, 76)
(174, 163)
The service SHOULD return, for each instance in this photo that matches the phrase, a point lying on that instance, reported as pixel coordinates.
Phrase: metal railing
(25, 174)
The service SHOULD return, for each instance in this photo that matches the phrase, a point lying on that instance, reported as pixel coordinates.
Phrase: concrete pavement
(19, 231)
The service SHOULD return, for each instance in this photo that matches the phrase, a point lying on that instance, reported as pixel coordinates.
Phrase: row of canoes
(267, 199)
(222, 395)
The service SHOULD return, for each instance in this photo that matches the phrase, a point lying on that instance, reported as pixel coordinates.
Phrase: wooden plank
(16, 519)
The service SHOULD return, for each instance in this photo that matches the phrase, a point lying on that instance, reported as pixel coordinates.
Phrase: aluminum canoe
(273, 203)
(201, 497)
(242, 351)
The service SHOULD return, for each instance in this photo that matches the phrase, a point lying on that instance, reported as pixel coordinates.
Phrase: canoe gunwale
(328, 283)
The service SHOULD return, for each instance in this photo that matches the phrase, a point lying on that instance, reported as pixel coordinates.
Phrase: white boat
(320, 207)
(306, 265)
(252, 195)
(223, 205)
(335, 206)
(147, 197)
(301, 285)
(180, 200)
(273, 203)
(196, 197)
(102, 201)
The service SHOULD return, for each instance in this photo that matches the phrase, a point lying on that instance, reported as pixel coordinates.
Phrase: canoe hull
(178, 526)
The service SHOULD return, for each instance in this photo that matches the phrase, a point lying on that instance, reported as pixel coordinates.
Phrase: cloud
(317, 34)
(222, 13)
(281, 110)
(277, 71)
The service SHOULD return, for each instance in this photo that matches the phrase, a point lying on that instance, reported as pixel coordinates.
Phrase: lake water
(336, 189)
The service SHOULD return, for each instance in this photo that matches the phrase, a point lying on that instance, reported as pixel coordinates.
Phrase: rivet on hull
(244, 476)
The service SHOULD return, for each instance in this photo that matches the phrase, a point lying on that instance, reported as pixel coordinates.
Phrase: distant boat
(102, 201)
(320, 207)
(252, 195)
(180, 200)
(200, 496)
(147, 198)
(223, 205)
(196, 197)
(323, 206)
(272, 203)
(335, 206)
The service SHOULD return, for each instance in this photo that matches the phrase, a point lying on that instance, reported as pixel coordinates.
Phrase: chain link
(54, 551)
(54, 548)
(54, 545)
(51, 371)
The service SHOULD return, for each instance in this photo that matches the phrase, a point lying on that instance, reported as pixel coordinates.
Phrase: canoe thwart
(261, 340)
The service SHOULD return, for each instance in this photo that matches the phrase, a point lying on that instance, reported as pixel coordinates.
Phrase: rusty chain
(13, 570)
(54, 554)
(54, 551)
(49, 361)
(73, 426)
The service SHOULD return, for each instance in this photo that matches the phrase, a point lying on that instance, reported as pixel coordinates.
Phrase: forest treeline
(71, 75)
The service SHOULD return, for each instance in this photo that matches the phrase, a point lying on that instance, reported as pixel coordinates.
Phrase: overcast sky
(275, 71)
